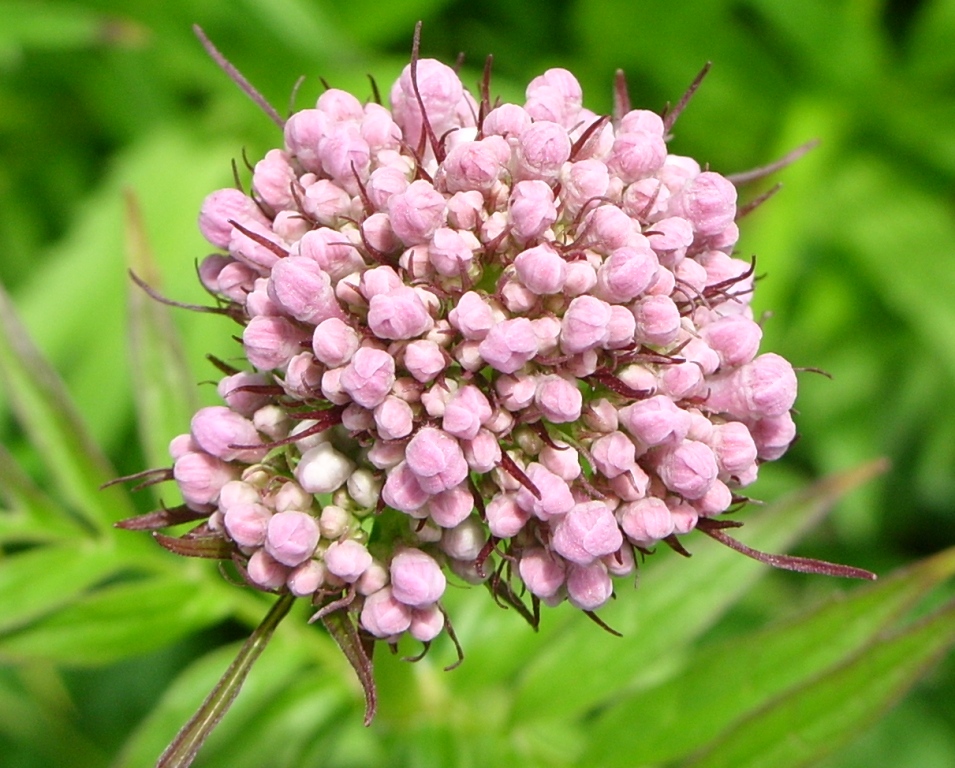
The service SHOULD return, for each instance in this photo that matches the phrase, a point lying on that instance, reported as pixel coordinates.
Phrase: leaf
(803, 726)
(163, 388)
(41, 580)
(119, 621)
(761, 666)
(69, 456)
(675, 602)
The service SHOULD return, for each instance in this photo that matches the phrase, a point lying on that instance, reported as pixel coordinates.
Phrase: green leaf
(675, 602)
(69, 456)
(163, 388)
(38, 581)
(776, 660)
(119, 621)
(803, 726)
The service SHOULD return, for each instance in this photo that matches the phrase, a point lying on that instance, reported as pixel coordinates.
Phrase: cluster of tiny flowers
(508, 343)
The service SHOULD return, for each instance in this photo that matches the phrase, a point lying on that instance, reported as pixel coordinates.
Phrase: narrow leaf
(38, 581)
(182, 751)
(119, 621)
(775, 660)
(70, 458)
(33, 516)
(358, 651)
(802, 727)
(210, 547)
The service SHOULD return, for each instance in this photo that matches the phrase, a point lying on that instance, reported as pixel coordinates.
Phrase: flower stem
(182, 751)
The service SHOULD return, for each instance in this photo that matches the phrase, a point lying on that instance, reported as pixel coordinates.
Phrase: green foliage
(115, 125)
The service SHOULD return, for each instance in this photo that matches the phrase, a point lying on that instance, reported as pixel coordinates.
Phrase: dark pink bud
(583, 181)
(250, 250)
(426, 623)
(303, 132)
(344, 153)
(764, 387)
(471, 316)
(465, 412)
(402, 490)
(657, 320)
(273, 178)
(556, 498)
(219, 431)
(451, 251)
(369, 376)
(587, 532)
(424, 360)
(416, 578)
(773, 435)
(474, 165)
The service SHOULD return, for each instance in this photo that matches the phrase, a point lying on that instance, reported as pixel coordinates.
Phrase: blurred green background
(98, 98)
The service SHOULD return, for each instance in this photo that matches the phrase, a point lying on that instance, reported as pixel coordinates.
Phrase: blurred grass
(858, 250)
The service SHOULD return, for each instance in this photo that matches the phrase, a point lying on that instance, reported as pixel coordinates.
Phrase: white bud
(323, 469)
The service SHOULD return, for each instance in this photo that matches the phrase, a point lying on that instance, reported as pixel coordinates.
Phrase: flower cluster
(511, 343)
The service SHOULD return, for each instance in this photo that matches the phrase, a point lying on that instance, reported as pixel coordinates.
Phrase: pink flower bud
(394, 418)
(541, 572)
(588, 586)
(508, 120)
(303, 376)
(426, 623)
(655, 421)
(307, 578)
(645, 521)
(398, 314)
(516, 298)
(642, 120)
(344, 153)
(555, 95)
(440, 91)
(340, 105)
(531, 209)
(734, 448)
(383, 183)
(504, 517)
(542, 149)
(708, 201)
(222, 206)
(291, 537)
(273, 178)
(657, 320)
(357, 419)
(266, 571)
(621, 328)
(541, 269)
(402, 489)
(334, 342)
(246, 524)
(270, 342)
(465, 412)
(609, 228)
(250, 250)
(516, 392)
(613, 454)
(735, 339)
(646, 200)
(436, 459)
(587, 532)
(626, 274)
(369, 376)
(451, 251)
(582, 182)
(303, 132)
(563, 461)
(632, 484)
(471, 316)
(474, 165)
(509, 345)
(636, 155)
(465, 540)
(236, 280)
(219, 431)
(450, 508)
(684, 516)
(424, 360)
(303, 289)
(715, 501)
(559, 400)
(687, 469)
(246, 403)
(579, 278)
(332, 251)
(378, 128)
(601, 415)
(416, 212)
(322, 469)
(764, 387)
(466, 210)
(584, 325)
(773, 435)
(556, 498)
(416, 578)
(347, 559)
(384, 616)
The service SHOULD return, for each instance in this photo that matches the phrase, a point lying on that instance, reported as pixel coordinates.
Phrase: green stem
(182, 751)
